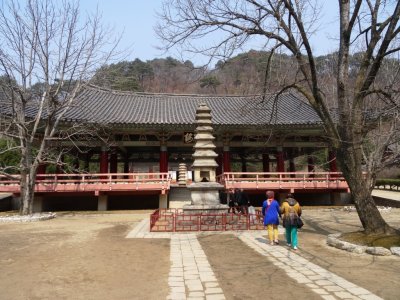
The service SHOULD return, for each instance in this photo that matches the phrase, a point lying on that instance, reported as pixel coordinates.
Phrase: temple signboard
(188, 137)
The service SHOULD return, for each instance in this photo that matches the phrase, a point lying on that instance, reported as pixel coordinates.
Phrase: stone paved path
(322, 282)
(392, 195)
(191, 276)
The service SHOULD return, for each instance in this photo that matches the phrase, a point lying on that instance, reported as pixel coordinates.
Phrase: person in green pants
(291, 211)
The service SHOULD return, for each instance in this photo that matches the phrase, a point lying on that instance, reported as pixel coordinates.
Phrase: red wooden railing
(161, 181)
(288, 180)
(91, 182)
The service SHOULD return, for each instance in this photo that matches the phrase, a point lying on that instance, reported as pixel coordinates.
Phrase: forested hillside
(248, 73)
(240, 75)
(158, 75)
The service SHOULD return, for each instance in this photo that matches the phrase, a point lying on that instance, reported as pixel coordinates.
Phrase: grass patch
(372, 240)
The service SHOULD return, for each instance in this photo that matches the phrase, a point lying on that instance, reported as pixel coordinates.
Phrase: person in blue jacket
(271, 213)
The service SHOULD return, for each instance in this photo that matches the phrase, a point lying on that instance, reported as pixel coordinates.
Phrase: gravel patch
(27, 218)
(382, 209)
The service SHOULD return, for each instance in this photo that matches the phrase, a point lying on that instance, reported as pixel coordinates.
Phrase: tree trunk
(27, 194)
(369, 215)
(28, 179)
(360, 190)
(350, 128)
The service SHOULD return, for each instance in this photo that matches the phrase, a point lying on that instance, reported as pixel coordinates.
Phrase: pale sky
(137, 18)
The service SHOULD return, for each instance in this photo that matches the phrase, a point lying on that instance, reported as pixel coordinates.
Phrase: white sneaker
(288, 244)
(295, 248)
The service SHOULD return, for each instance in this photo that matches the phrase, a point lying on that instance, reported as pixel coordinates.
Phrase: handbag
(299, 222)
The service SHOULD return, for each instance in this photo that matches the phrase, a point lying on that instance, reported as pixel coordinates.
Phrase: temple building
(155, 132)
(273, 135)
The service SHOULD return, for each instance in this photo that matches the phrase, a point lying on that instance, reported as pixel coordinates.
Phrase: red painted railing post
(257, 180)
(198, 222)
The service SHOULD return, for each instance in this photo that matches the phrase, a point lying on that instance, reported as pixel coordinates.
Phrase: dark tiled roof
(113, 107)
(101, 106)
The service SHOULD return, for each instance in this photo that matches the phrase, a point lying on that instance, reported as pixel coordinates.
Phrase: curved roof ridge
(104, 89)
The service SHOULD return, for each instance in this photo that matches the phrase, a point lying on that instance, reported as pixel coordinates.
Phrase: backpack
(292, 217)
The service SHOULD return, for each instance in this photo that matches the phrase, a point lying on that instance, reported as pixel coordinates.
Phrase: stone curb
(395, 250)
(334, 241)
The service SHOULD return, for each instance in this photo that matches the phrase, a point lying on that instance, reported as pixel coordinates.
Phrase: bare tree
(47, 54)
(363, 123)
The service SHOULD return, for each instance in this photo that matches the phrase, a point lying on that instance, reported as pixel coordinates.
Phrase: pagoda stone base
(205, 209)
(205, 199)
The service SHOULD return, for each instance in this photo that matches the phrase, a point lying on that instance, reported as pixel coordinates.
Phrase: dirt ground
(86, 256)
(245, 274)
(81, 257)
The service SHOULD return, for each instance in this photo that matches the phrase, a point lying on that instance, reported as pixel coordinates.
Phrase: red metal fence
(176, 220)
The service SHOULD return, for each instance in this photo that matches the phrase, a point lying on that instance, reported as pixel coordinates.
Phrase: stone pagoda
(204, 190)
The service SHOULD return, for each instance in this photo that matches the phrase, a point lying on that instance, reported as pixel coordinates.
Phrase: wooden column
(243, 161)
(280, 161)
(311, 164)
(265, 162)
(227, 159)
(76, 164)
(104, 161)
(219, 162)
(163, 159)
(126, 163)
(292, 166)
(41, 169)
(88, 156)
(114, 161)
(60, 166)
(332, 161)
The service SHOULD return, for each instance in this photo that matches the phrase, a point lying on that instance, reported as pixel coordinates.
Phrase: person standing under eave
(271, 213)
